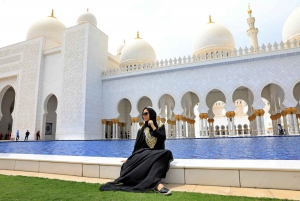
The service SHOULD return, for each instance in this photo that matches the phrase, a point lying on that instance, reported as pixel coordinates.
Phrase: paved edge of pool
(272, 174)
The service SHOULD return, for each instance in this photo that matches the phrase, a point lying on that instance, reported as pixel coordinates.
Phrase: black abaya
(145, 168)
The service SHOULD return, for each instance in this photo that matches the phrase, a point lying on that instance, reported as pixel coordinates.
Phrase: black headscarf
(140, 140)
(152, 114)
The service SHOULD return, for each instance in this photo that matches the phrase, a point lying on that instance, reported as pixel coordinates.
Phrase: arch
(3, 91)
(243, 93)
(275, 95)
(223, 130)
(218, 108)
(296, 92)
(124, 109)
(49, 118)
(217, 130)
(213, 96)
(7, 106)
(166, 105)
(188, 102)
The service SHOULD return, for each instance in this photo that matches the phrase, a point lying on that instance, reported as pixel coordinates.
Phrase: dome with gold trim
(137, 51)
(50, 27)
(214, 37)
(291, 28)
(87, 17)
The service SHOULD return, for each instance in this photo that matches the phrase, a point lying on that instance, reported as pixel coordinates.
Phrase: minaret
(252, 31)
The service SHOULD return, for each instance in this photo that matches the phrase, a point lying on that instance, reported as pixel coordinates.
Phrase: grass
(32, 188)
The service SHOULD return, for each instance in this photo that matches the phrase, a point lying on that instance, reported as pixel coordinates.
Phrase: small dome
(137, 51)
(87, 17)
(214, 37)
(50, 27)
(120, 48)
(291, 28)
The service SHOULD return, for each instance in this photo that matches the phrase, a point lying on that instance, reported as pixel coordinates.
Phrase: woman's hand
(123, 161)
(150, 123)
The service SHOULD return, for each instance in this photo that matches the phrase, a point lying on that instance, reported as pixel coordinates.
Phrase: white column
(205, 127)
(192, 125)
(174, 125)
(291, 123)
(229, 127)
(117, 130)
(201, 127)
(213, 129)
(103, 128)
(180, 128)
(114, 130)
(169, 125)
(275, 126)
(109, 130)
(285, 124)
(185, 134)
(233, 126)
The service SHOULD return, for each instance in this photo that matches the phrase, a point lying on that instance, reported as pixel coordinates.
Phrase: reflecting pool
(267, 148)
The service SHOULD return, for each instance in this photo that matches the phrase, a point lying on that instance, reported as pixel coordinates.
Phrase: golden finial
(209, 19)
(87, 10)
(249, 9)
(138, 35)
(52, 14)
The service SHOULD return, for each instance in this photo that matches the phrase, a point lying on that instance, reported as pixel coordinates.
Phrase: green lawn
(32, 188)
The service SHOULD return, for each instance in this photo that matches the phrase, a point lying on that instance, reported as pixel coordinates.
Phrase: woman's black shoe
(164, 191)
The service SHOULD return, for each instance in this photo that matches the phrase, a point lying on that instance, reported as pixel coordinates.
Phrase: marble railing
(203, 57)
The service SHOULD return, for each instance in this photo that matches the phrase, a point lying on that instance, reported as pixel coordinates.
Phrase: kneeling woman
(149, 162)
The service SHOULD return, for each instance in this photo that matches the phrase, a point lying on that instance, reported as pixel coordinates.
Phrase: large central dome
(291, 28)
(50, 27)
(136, 52)
(214, 37)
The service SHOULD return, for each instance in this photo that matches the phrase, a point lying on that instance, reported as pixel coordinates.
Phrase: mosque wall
(52, 79)
(96, 61)
(71, 105)
(23, 61)
(251, 71)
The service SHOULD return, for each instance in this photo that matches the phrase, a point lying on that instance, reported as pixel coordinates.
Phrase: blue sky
(170, 26)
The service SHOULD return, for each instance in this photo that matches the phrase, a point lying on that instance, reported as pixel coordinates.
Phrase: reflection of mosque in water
(64, 82)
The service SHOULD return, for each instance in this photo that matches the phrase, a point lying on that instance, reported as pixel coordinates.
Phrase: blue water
(268, 148)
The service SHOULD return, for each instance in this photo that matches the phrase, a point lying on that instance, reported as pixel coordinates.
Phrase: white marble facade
(69, 80)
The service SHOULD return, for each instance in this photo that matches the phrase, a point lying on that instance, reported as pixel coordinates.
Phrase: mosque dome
(121, 48)
(50, 27)
(291, 28)
(136, 52)
(214, 37)
(87, 17)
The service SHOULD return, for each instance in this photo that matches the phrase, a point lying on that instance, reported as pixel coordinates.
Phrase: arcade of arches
(244, 120)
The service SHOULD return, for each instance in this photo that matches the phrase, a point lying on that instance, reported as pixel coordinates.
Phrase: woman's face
(146, 115)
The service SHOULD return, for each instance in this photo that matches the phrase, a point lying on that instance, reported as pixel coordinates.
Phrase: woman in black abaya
(149, 162)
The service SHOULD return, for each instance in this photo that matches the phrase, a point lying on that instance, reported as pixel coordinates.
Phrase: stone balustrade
(200, 58)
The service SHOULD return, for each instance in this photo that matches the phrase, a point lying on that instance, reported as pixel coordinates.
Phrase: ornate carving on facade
(10, 59)
(27, 91)
(72, 98)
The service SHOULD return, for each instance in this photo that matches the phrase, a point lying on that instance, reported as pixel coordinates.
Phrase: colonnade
(183, 127)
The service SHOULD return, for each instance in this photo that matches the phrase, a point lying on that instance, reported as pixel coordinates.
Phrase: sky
(170, 26)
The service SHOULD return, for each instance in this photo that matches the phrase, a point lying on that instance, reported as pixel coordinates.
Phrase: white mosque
(64, 82)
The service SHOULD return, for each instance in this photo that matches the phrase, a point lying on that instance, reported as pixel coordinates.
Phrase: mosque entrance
(7, 107)
(49, 125)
